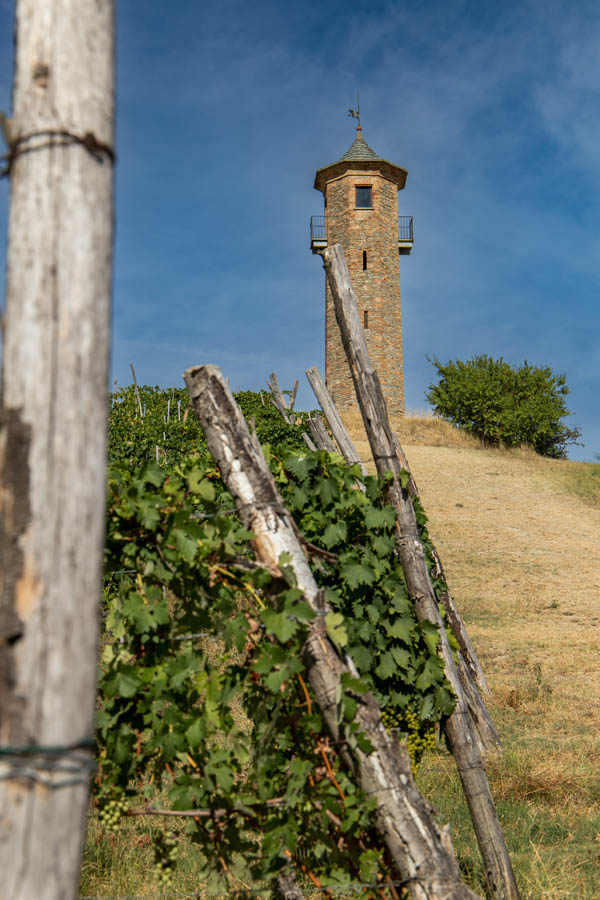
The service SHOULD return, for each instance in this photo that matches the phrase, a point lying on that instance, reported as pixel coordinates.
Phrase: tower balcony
(405, 235)
(318, 234)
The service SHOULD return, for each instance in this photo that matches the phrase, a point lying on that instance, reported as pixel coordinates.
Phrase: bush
(505, 405)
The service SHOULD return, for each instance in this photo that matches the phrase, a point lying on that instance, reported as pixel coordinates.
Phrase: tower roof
(359, 150)
(362, 157)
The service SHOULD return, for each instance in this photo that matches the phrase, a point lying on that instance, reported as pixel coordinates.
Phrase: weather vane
(355, 113)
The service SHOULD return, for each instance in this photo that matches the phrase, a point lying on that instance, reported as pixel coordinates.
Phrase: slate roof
(359, 151)
(360, 156)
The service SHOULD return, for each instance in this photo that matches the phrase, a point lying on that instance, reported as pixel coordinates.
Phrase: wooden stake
(137, 391)
(405, 820)
(338, 429)
(293, 397)
(459, 728)
(52, 436)
(319, 433)
(485, 726)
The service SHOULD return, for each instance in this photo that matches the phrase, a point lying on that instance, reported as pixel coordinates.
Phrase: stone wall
(377, 287)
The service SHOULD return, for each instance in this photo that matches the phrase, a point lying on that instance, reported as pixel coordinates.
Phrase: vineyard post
(52, 436)
(421, 852)
(484, 723)
(320, 435)
(338, 429)
(459, 728)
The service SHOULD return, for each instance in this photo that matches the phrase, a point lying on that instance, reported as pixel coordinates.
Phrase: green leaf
(327, 490)
(334, 622)
(362, 657)
(185, 544)
(380, 518)
(386, 667)
(356, 574)
(198, 484)
(154, 474)
(401, 629)
(128, 682)
(335, 533)
(401, 656)
(432, 671)
(279, 624)
(431, 636)
(195, 733)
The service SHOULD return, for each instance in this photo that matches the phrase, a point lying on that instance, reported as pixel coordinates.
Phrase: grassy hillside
(519, 538)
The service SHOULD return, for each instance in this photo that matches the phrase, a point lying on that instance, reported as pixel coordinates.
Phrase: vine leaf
(334, 622)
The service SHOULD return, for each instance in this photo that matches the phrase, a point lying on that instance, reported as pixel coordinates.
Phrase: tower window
(366, 318)
(363, 197)
(364, 260)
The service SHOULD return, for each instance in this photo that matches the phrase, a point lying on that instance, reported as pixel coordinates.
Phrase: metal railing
(317, 229)
(405, 228)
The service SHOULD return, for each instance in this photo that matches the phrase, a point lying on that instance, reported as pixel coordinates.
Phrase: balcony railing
(405, 228)
(318, 233)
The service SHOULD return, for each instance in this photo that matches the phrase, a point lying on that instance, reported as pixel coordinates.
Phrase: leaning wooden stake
(459, 727)
(348, 451)
(338, 429)
(469, 669)
(319, 433)
(52, 436)
(454, 617)
(277, 397)
(421, 852)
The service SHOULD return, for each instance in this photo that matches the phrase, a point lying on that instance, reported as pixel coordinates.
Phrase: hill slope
(522, 555)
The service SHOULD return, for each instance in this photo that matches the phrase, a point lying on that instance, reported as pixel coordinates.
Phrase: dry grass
(518, 535)
(417, 427)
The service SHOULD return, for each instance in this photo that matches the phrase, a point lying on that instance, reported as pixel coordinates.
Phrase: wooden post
(277, 397)
(417, 847)
(319, 433)
(293, 397)
(52, 436)
(454, 617)
(137, 391)
(459, 728)
(484, 724)
(338, 429)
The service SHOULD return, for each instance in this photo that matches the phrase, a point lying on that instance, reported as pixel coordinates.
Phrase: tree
(53, 435)
(505, 405)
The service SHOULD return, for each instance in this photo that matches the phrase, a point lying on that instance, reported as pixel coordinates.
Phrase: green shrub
(505, 405)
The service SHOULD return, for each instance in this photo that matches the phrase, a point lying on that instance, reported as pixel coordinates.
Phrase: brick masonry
(374, 231)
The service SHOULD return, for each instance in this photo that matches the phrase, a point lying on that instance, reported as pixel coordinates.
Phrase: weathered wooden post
(459, 727)
(52, 436)
(421, 852)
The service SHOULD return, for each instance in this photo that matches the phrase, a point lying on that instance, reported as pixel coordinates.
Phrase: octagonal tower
(361, 214)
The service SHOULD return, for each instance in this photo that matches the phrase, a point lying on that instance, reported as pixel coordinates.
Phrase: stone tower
(361, 214)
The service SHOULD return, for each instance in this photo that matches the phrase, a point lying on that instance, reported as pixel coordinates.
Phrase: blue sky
(225, 111)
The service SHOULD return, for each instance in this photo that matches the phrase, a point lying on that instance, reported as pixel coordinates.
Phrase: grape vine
(205, 705)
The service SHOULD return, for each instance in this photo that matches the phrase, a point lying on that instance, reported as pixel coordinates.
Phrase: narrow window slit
(366, 318)
(364, 260)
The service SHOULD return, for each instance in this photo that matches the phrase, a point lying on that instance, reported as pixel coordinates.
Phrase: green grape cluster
(420, 736)
(111, 812)
(165, 859)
